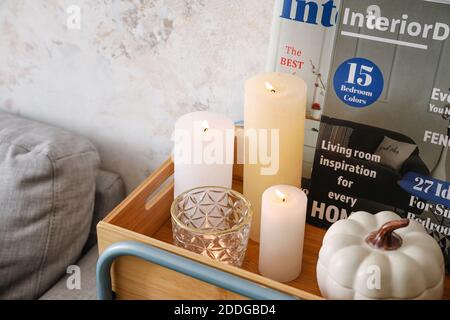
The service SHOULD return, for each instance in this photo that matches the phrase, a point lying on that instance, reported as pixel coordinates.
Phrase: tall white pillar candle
(203, 152)
(283, 218)
(274, 102)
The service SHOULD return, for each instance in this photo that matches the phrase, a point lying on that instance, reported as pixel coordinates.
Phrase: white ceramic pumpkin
(379, 257)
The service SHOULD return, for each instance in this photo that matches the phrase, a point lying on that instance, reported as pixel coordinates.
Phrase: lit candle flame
(270, 87)
(281, 195)
(205, 125)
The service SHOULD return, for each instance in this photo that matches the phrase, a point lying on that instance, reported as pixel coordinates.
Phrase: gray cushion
(46, 198)
(87, 290)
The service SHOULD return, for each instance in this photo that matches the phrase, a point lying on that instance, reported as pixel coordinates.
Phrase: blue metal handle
(180, 264)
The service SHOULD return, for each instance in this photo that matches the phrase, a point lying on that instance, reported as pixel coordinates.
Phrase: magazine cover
(301, 43)
(384, 134)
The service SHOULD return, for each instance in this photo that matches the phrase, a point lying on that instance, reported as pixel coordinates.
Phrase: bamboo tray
(144, 216)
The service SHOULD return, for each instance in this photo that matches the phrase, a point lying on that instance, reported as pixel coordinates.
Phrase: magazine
(385, 131)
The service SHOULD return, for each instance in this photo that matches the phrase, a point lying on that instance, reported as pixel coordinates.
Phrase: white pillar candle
(203, 152)
(283, 218)
(273, 101)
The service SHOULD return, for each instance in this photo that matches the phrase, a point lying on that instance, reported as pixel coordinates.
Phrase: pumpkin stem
(385, 238)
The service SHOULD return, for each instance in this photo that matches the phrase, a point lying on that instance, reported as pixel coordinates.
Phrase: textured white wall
(131, 70)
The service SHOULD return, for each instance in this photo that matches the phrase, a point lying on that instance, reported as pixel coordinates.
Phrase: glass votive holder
(214, 222)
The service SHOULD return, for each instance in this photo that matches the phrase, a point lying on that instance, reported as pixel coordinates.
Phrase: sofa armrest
(109, 192)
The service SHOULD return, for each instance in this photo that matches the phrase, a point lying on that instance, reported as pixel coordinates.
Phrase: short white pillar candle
(283, 217)
(203, 152)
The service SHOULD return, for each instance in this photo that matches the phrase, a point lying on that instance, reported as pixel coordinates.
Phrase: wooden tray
(144, 216)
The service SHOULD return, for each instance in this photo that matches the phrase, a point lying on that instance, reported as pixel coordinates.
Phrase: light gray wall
(409, 75)
(131, 70)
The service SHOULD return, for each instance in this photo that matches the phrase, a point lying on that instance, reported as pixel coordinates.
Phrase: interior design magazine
(385, 132)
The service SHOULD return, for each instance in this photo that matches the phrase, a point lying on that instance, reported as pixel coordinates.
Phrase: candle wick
(270, 87)
(206, 129)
